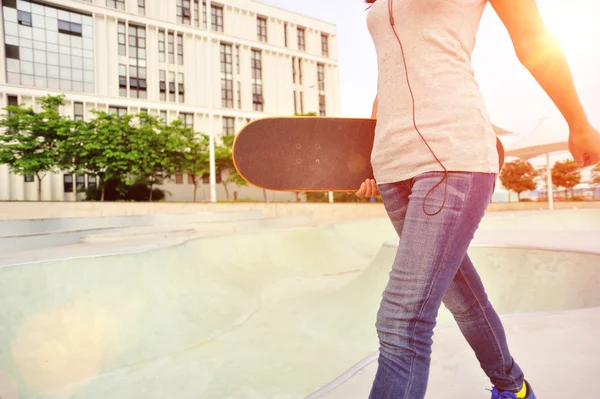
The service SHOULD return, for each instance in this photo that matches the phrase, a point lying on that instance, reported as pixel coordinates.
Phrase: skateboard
(308, 154)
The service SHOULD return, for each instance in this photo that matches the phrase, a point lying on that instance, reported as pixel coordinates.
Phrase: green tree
(195, 160)
(224, 163)
(30, 142)
(596, 178)
(101, 147)
(150, 156)
(596, 175)
(519, 176)
(566, 174)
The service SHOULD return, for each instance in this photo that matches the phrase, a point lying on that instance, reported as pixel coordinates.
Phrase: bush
(119, 191)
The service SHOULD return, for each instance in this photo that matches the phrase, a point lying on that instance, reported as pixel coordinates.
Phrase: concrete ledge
(320, 212)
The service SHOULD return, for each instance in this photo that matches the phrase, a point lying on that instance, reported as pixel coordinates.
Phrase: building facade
(127, 56)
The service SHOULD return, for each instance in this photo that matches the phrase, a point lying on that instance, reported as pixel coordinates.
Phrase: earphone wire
(445, 178)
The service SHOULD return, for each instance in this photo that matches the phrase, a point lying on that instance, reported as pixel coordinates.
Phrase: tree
(101, 147)
(195, 160)
(596, 178)
(224, 163)
(30, 141)
(596, 175)
(519, 176)
(566, 174)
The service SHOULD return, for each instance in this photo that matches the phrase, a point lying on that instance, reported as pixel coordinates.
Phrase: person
(435, 166)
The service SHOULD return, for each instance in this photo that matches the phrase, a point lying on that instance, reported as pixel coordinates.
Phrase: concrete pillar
(47, 187)
(17, 188)
(4, 183)
(30, 189)
(57, 187)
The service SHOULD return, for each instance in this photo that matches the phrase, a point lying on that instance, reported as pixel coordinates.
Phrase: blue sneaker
(509, 395)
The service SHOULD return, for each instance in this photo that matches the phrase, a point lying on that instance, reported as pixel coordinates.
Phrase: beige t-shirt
(438, 38)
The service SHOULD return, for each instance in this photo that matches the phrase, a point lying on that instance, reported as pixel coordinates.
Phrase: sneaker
(509, 395)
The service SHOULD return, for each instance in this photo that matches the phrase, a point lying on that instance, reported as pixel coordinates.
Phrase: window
(47, 47)
(69, 28)
(191, 178)
(196, 13)
(237, 58)
(325, 44)
(28, 178)
(187, 119)
(228, 125)
(321, 77)
(184, 13)
(285, 34)
(295, 103)
(180, 49)
(171, 48)
(204, 14)
(178, 177)
(216, 14)
(137, 62)
(91, 181)
(161, 46)
(257, 91)
(142, 7)
(181, 87)
(122, 39)
(122, 80)
(321, 82)
(119, 4)
(162, 76)
(239, 95)
(300, 70)
(80, 183)
(12, 101)
(78, 111)
(293, 69)
(301, 39)
(301, 102)
(68, 183)
(12, 52)
(172, 86)
(117, 110)
(24, 18)
(163, 117)
(226, 76)
(261, 27)
(9, 3)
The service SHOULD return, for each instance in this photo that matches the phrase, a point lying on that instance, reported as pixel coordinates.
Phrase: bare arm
(375, 107)
(539, 52)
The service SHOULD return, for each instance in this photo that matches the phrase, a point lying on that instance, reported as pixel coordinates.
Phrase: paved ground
(279, 313)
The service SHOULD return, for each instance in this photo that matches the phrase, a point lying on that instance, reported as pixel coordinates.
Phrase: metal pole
(549, 182)
(211, 116)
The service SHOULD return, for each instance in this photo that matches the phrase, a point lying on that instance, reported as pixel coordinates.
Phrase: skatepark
(244, 305)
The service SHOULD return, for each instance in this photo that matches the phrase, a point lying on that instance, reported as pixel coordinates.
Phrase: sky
(514, 99)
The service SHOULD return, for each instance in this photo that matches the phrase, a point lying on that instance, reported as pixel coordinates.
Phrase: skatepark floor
(279, 309)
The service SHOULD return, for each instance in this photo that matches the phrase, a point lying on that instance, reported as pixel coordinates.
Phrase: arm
(541, 54)
(375, 107)
(369, 187)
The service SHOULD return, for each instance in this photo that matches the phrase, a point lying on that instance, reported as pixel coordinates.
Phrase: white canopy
(502, 132)
(550, 135)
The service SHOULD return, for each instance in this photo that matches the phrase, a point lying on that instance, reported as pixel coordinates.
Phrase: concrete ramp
(271, 314)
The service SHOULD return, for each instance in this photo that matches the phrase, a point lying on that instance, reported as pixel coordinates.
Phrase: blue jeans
(431, 267)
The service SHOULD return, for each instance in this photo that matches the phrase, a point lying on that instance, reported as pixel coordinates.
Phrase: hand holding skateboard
(584, 145)
(368, 188)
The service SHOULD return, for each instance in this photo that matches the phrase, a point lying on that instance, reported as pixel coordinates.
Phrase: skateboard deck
(310, 154)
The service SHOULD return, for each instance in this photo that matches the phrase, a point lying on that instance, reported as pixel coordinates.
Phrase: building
(153, 55)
